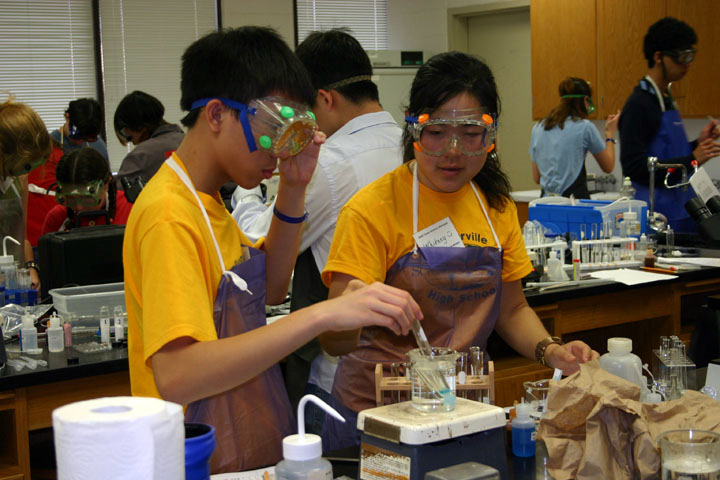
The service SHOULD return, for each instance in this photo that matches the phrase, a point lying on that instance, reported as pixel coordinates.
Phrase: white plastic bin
(86, 300)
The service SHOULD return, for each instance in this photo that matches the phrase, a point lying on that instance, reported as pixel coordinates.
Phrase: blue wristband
(287, 219)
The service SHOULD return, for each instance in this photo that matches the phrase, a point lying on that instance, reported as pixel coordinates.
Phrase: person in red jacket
(86, 194)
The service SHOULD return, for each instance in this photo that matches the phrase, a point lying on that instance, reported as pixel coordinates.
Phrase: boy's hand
(298, 170)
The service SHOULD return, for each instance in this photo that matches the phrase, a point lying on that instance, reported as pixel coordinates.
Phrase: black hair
(667, 34)
(86, 114)
(84, 165)
(333, 56)
(138, 110)
(443, 77)
(569, 107)
(241, 64)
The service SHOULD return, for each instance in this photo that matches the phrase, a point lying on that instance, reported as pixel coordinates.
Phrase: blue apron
(251, 419)
(458, 290)
(670, 141)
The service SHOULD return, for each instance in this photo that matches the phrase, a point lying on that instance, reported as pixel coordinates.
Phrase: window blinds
(142, 43)
(46, 55)
(365, 19)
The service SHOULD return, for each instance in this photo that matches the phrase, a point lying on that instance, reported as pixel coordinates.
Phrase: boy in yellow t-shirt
(194, 286)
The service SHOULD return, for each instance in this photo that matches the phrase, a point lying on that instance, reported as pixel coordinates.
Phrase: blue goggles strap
(243, 111)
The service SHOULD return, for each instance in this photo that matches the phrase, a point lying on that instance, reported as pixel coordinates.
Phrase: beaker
(689, 453)
(427, 375)
(536, 395)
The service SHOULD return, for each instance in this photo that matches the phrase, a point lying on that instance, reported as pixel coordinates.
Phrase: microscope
(706, 215)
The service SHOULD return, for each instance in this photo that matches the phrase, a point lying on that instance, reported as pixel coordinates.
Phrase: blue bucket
(199, 446)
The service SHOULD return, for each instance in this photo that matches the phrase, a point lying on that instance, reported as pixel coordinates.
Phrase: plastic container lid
(302, 447)
(619, 345)
(522, 410)
(306, 446)
(630, 216)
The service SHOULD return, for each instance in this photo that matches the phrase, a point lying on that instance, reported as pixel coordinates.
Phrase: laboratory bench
(28, 397)
(592, 313)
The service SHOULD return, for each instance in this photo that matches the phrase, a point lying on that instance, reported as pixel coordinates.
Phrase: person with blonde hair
(24, 145)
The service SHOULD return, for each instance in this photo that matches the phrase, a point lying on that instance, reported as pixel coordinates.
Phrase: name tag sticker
(440, 234)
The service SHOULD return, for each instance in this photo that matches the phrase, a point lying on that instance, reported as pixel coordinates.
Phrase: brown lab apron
(458, 290)
(251, 419)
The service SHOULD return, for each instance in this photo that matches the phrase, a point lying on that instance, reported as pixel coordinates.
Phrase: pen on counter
(670, 270)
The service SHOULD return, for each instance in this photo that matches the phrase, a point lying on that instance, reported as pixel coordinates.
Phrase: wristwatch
(542, 346)
(31, 264)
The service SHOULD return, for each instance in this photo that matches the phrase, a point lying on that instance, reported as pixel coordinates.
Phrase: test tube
(395, 373)
(669, 241)
(461, 371)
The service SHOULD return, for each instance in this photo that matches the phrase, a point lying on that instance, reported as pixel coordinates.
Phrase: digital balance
(400, 443)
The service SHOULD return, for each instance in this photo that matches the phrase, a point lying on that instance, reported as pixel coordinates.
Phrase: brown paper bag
(596, 427)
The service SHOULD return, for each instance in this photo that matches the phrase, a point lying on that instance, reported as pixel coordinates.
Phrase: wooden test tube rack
(385, 384)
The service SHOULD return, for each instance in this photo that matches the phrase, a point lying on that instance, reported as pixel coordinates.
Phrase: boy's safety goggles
(276, 124)
(590, 104)
(471, 131)
(89, 195)
(681, 56)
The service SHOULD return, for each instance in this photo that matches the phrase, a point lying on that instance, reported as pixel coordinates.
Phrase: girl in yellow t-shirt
(443, 227)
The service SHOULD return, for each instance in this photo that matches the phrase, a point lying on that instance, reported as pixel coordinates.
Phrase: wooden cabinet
(698, 94)
(602, 42)
(621, 27)
(562, 44)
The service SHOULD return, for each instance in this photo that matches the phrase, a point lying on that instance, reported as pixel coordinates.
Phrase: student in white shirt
(363, 143)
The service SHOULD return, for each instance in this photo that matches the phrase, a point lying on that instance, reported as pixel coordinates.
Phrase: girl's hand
(298, 170)
(611, 124)
(568, 357)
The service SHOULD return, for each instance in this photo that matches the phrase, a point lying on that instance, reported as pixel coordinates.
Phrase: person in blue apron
(195, 288)
(560, 142)
(24, 146)
(650, 123)
(442, 227)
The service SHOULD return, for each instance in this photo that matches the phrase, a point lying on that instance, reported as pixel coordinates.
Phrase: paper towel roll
(117, 438)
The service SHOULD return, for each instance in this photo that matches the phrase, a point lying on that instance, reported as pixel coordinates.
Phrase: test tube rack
(480, 384)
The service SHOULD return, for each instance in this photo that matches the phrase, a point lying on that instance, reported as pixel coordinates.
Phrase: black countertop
(116, 360)
(57, 369)
(536, 298)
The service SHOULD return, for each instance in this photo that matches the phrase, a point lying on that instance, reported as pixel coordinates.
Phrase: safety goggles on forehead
(470, 131)
(590, 104)
(275, 124)
(681, 56)
(89, 195)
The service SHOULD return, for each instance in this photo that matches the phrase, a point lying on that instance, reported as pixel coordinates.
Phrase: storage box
(561, 218)
(85, 301)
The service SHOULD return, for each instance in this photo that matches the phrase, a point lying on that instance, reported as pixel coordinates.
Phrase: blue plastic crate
(561, 219)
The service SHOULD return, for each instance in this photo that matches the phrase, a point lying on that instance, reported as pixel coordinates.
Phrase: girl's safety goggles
(681, 56)
(89, 195)
(590, 104)
(275, 124)
(470, 131)
(27, 167)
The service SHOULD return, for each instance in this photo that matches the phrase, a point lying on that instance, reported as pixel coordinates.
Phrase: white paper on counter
(258, 474)
(704, 261)
(631, 277)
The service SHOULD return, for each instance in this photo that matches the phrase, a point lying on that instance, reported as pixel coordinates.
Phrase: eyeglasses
(470, 131)
(89, 195)
(276, 124)
(681, 56)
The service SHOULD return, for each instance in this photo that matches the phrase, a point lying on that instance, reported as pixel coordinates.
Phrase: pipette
(432, 377)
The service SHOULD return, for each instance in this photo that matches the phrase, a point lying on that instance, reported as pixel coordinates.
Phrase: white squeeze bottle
(55, 339)
(28, 334)
(621, 362)
(303, 452)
